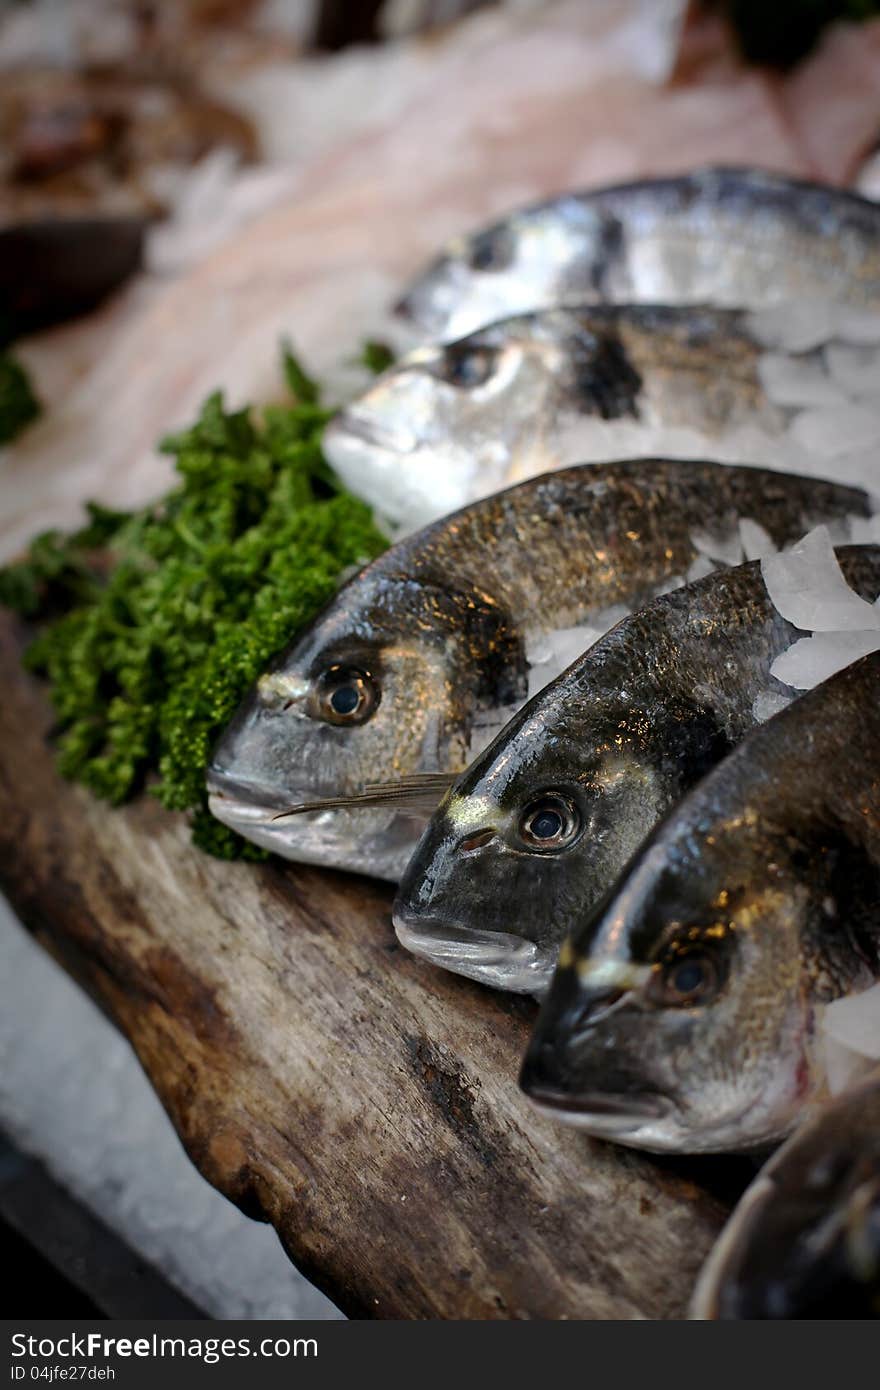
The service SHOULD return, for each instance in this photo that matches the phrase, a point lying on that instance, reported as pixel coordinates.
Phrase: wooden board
(361, 1101)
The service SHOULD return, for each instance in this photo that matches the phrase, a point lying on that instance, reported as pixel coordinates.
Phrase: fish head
(679, 1019)
(449, 424)
(385, 683)
(535, 258)
(804, 1241)
(538, 827)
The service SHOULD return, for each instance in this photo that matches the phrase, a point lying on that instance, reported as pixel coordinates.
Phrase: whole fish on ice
(424, 655)
(540, 825)
(697, 1008)
(734, 237)
(804, 1241)
(449, 424)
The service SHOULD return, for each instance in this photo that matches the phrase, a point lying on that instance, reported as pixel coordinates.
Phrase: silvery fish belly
(448, 425)
(732, 237)
(698, 1007)
(422, 657)
(535, 832)
(804, 1242)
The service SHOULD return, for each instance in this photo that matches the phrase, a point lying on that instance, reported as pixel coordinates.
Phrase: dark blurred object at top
(57, 268)
(100, 140)
(339, 23)
(778, 33)
(88, 150)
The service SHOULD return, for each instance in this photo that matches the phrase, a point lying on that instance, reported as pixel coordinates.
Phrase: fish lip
(238, 795)
(353, 426)
(237, 814)
(642, 1105)
(428, 937)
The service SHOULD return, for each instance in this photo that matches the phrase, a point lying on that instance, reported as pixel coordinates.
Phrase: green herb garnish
(157, 621)
(18, 404)
(376, 357)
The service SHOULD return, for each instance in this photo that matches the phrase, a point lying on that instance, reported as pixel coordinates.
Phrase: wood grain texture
(362, 1102)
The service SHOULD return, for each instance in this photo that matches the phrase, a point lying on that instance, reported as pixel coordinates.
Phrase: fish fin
(419, 794)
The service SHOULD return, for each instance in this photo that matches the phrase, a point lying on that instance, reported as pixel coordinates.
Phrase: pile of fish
(635, 694)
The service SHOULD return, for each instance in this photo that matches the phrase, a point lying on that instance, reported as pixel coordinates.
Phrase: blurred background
(183, 183)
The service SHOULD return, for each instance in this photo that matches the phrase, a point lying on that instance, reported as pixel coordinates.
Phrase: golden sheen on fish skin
(422, 655)
(540, 825)
(447, 425)
(734, 237)
(686, 1012)
(804, 1241)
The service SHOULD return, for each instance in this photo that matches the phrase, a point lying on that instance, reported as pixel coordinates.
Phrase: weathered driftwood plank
(363, 1103)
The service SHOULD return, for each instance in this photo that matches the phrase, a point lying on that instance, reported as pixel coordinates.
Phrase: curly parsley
(155, 622)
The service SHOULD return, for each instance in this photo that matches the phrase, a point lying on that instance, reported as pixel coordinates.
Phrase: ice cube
(724, 550)
(851, 1027)
(837, 429)
(550, 653)
(756, 542)
(811, 660)
(797, 381)
(865, 530)
(807, 587)
(794, 325)
(768, 703)
(856, 370)
(799, 325)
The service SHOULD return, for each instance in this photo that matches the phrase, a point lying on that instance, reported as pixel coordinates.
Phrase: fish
(423, 656)
(804, 1240)
(538, 828)
(726, 236)
(692, 1010)
(451, 423)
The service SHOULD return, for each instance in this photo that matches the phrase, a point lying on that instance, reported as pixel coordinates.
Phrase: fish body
(804, 1241)
(690, 1011)
(732, 237)
(422, 657)
(539, 826)
(449, 424)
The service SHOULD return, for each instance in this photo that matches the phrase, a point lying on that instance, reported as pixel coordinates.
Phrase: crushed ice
(809, 590)
(851, 1029)
(550, 653)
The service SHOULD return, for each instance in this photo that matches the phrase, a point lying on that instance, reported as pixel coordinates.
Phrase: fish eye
(491, 250)
(467, 367)
(345, 695)
(691, 978)
(550, 823)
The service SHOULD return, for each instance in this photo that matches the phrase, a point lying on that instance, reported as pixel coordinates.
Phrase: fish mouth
(604, 1116)
(357, 427)
(590, 1107)
(236, 802)
(546, 1079)
(496, 958)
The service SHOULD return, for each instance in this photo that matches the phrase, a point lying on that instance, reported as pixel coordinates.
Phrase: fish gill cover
(153, 623)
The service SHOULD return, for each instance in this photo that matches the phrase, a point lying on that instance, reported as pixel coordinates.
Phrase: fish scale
(431, 640)
(629, 727)
(735, 237)
(584, 383)
(746, 918)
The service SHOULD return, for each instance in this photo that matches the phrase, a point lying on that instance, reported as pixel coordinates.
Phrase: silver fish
(448, 425)
(733, 237)
(422, 657)
(690, 1011)
(804, 1241)
(538, 828)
